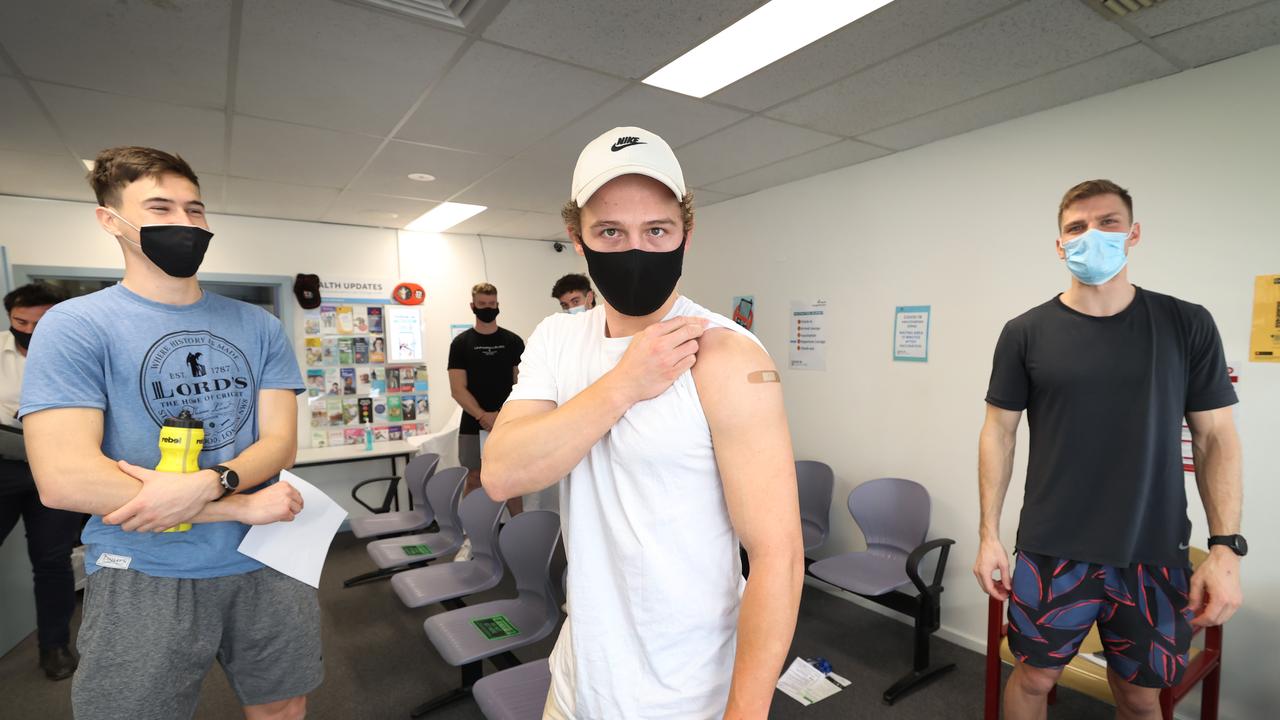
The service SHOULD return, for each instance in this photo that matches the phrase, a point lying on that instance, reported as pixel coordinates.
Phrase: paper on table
(806, 684)
(297, 548)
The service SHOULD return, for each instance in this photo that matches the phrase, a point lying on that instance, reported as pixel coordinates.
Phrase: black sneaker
(58, 662)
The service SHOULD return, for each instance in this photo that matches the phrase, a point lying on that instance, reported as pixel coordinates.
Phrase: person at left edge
(104, 372)
(51, 534)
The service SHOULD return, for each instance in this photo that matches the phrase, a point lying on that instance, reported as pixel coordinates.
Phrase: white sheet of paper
(297, 548)
(805, 683)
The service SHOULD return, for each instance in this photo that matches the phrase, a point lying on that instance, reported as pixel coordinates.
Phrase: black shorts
(1141, 611)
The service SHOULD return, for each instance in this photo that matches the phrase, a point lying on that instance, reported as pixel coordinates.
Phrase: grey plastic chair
(894, 516)
(396, 554)
(417, 517)
(528, 542)
(424, 586)
(519, 693)
(815, 481)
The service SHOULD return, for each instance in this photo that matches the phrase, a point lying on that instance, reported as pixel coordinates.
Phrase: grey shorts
(147, 642)
(469, 451)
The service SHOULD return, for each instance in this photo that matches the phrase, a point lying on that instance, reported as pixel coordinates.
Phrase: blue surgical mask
(576, 310)
(1095, 256)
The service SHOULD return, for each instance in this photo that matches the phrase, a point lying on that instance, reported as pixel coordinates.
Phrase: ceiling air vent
(454, 13)
(1121, 8)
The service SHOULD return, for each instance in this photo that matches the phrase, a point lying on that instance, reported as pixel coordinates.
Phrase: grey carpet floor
(379, 665)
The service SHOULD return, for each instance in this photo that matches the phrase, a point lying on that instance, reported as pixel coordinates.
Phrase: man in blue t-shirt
(1106, 373)
(104, 373)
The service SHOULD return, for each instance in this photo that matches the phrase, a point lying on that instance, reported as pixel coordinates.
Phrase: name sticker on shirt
(119, 562)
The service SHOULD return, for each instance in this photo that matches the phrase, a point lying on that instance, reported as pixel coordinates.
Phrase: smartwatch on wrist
(1235, 542)
(227, 478)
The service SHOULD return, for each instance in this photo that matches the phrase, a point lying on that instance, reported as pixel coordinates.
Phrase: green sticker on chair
(495, 627)
(416, 549)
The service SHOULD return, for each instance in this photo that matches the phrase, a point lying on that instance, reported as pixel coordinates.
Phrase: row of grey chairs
(466, 636)
(893, 514)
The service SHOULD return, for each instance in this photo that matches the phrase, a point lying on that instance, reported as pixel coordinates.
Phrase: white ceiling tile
(1225, 36)
(1024, 42)
(356, 208)
(92, 121)
(269, 150)
(22, 125)
(892, 29)
(531, 225)
(453, 169)
(1124, 67)
(703, 197)
(524, 185)
(277, 200)
(745, 146)
(500, 101)
(212, 191)
(174, 50)
(335, 65)
(46, 176)
(849, 152)
(630, 39)
(676, 118)
(485, 222)
(1173, 14)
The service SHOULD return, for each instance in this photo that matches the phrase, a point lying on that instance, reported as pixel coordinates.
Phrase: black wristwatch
(227, 478)
(1235, 542)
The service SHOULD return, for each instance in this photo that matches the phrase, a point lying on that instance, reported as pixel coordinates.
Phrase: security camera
(558, 246)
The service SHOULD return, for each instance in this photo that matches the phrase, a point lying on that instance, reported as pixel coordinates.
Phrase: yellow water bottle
(181, 440)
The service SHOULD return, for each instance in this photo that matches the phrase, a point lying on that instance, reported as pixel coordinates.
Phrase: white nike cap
(625, 151)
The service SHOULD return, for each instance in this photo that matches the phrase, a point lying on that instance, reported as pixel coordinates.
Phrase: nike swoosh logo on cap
(626, 142)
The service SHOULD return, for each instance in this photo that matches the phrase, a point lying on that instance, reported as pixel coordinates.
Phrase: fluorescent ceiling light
(88, 164)
(444, 216)
(775, 30)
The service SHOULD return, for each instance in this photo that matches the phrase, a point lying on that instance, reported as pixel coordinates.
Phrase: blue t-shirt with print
(140, 362)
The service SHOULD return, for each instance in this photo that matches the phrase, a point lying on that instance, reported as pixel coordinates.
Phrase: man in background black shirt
(482, 370)
(1106, 372)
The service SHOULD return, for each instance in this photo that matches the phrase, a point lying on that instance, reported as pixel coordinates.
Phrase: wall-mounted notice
(1264, 341)
(457, 329)
(360, 290)
(404, 334)
(911, 333)
(808, 335)
(744, 310)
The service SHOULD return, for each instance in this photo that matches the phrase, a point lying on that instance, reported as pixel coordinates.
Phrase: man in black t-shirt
(482, 370)
(1107, 372)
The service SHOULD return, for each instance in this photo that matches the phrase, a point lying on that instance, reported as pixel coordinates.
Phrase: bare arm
(995, 469)
(534, 443)
(1216, 448)
(748, 425)
(461, 395)
(65, 448)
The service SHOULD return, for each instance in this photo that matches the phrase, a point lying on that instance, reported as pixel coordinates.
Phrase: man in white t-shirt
(669, 422)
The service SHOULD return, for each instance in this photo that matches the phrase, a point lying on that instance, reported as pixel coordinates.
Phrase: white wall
(61, 233)
(967, 225)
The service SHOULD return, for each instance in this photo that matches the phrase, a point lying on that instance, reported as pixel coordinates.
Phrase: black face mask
(177, 250)
(635, 282)
(487, 315)
(23, 339)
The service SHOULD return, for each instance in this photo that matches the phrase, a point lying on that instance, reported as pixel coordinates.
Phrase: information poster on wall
(911, 333)
(355, 394)
(404, 334)
(744, 311)
(1188, 458)
(1264, 340)
(808, 335)
(457, 329)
